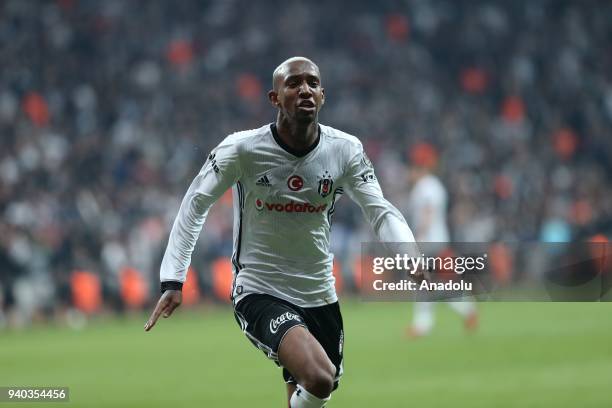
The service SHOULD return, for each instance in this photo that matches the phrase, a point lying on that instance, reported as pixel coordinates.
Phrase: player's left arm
(363, 188)
(386, 220)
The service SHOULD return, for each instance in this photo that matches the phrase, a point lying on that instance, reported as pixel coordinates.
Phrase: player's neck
(298, 136)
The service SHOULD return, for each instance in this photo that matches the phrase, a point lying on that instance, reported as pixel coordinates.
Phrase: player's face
(299, 94)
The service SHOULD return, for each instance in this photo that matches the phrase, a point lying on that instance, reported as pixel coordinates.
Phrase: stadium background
(108, 109)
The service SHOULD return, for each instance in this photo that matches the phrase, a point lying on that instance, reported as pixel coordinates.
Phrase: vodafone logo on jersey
(290, 207)
(295, 183)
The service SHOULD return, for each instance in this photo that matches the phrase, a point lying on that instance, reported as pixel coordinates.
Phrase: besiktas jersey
(283, 207)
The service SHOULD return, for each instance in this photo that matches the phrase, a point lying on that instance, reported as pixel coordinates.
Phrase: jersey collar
(289, 149)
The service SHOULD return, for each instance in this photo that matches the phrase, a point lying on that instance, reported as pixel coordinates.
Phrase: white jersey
(283, 205)
(429, 195)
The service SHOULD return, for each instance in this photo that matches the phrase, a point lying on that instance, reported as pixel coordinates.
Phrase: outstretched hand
(169, 300)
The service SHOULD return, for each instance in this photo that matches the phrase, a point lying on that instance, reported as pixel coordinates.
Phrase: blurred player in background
(426, 208)
(286, 178)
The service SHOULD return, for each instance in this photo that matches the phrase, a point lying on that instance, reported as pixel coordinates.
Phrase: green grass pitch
(523, 355)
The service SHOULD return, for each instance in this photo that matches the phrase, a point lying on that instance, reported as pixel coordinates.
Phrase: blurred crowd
(109, 108)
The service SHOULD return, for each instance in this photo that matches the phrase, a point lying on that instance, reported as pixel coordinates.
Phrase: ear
(322, 96)
(273, 97)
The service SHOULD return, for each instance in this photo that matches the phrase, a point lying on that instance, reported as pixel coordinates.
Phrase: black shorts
(265, 320)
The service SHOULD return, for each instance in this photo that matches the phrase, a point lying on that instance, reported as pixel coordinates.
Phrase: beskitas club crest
(325, 184)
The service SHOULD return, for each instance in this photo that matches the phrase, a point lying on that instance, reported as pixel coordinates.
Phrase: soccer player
(427, 205)
(286, 178)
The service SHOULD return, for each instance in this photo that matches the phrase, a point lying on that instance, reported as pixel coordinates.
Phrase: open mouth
(306, 104)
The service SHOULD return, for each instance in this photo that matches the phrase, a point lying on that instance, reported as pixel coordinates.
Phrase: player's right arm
(219, 173)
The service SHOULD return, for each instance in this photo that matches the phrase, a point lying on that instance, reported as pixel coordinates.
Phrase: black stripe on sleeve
(171, 285)
(337, 192)
(236, 254)
(239, 244)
